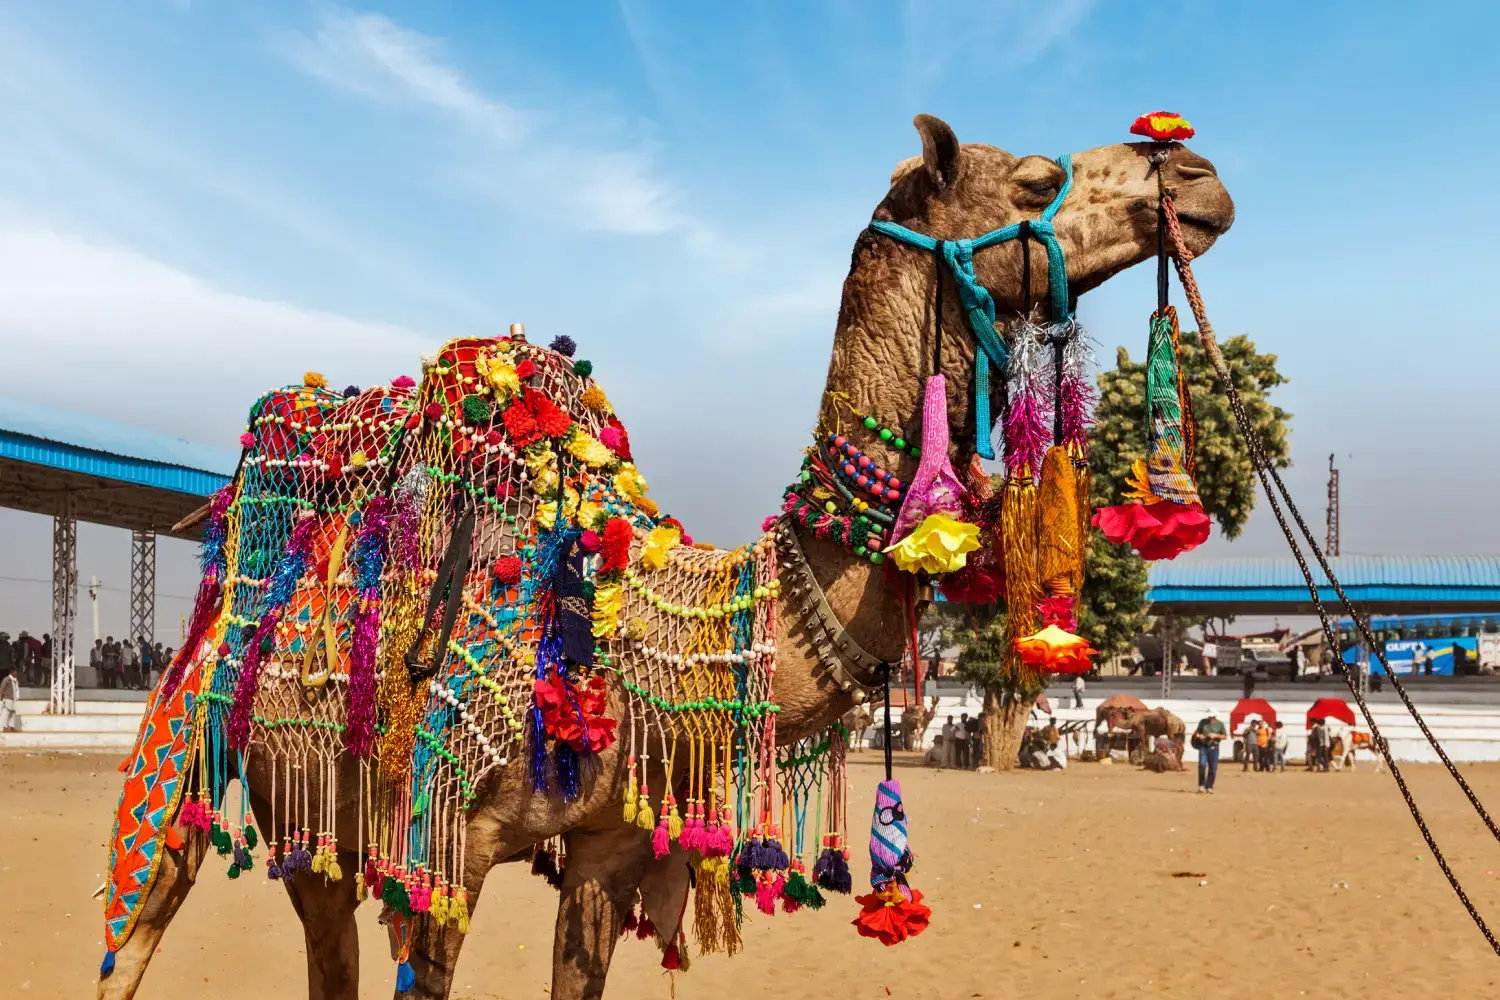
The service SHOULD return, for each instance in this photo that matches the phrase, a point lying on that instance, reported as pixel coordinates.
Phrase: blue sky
(199, 200)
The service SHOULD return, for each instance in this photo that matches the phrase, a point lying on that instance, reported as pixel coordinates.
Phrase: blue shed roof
(1368, 580)
(41, 435)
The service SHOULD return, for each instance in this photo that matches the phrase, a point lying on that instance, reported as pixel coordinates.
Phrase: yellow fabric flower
(655, 553)
(629, 483)
(593, 398)
(543, 468)
(589, 450)
(940, 544)
(546, 508)
(1138, 483)
(607, 599)
(500, 375)
(589, 512)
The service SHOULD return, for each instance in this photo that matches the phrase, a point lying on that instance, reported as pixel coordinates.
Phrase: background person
(1206, 739)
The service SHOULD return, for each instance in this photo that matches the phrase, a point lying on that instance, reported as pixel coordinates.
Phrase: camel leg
(326, 910)
(604, 870)
(174, 877)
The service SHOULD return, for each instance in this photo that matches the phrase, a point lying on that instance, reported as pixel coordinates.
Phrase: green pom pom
(583, 368)
(476, 409)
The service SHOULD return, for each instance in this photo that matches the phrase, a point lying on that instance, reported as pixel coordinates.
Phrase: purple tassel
(832, 871)
(211, 557)
(568, 781)
(369, 560)
(772, 856)
(249, 680)
(538, 750)
(1026, 434)
(273, 870)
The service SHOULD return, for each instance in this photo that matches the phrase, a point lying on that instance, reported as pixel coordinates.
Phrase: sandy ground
(1042, 885)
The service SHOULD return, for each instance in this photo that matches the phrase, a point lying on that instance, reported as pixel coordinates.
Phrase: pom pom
(433, 411)
(636, 630)
(247, 440)
(403, 382)
(563, 344)
(769, 523)
(583, 368)
(1162, 126)
(525, 369)
(589, 540)
(593, 398)
(476, 409)
(616, 545)
(351, 391)
(314, 380)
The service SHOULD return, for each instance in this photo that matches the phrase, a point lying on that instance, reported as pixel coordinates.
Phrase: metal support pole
(1168, 644)
(143, 586)
(64, 605)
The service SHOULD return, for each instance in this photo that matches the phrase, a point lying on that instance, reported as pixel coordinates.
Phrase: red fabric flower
(890, 917)
(525, 369)
(1162, 126)
(550, 419)
(615, 438)
(1056, 651)
(574, 713)
(1161, 530)
(520, 426)
(508, 570)
(1059, 610)
(616, 545)
(976, 583)
(403, 382)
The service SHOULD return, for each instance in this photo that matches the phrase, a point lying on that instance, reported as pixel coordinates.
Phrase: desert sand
(1049, 885)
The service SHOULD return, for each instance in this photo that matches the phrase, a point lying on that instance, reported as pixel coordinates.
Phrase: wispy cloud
(107, 308)
(524, 158)
(940, 34)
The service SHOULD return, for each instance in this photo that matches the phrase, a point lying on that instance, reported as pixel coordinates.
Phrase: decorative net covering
(445, 579)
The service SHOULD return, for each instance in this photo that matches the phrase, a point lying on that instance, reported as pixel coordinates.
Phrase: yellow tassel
(461, 898)
(1023, 590)
(439, 909)
(1059, 561)
(1084, 480)
(630, 799)
(674, 822)
(644, 817)
(320, 861)
(360, 892)
(334, 871)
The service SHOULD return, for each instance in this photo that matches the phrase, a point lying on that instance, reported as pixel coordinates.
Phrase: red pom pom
(433, 411)
(247, 439)
(508, 570)
(622, 445)
(589, 540)
(525, 369)
(616, 545)
(520, 426)
(550, 419)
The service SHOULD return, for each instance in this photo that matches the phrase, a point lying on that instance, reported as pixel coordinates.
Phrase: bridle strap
(979, 305)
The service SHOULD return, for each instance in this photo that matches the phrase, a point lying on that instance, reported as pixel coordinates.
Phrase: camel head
(1107, 222)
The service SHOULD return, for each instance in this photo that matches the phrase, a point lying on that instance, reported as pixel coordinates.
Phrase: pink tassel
(249, 680)
(723, 844)
(765, 898)
(661, 840)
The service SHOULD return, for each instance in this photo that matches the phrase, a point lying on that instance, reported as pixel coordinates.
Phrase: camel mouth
(1215, 225)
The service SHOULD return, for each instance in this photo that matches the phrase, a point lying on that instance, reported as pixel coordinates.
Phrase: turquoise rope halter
(979, 305)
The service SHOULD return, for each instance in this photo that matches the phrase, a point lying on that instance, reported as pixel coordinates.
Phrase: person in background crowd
(1263, 748)
(972, 739)
(1101, 738)
(112, 678)
(961, 734)
(1281, 739)
(1078, 686)
(1317, 747)
(1136, 661)
(96, 661)
(10, 695)
(1052, 736)
(7, 653)
(1206, 739)
(1294, 663)
(163, 660)
(130, 663)
(27, 650)
(44, 660)
(166, 659)
(1427, 663)
(1249, 743)
(1418, 656)
(950, 743)
(147, 662)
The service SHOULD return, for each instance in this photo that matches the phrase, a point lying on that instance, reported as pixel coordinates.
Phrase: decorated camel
(442, 624)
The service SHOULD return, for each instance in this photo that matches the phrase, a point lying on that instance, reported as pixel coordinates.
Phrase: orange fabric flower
(890, 917)
(1056, 651)
(1162, 126)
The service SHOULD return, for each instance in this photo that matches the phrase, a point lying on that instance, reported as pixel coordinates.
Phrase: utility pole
(1331, 545)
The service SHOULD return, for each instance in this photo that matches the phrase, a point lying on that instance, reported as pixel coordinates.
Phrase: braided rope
(1267, 474)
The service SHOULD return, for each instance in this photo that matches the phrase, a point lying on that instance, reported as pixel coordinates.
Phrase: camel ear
(941, 154)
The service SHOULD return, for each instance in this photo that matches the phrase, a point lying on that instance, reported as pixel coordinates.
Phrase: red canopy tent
(1252, 706)
(1330, 708)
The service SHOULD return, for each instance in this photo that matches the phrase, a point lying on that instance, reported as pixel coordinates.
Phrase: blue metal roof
(1366, 579)
(41, 435)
